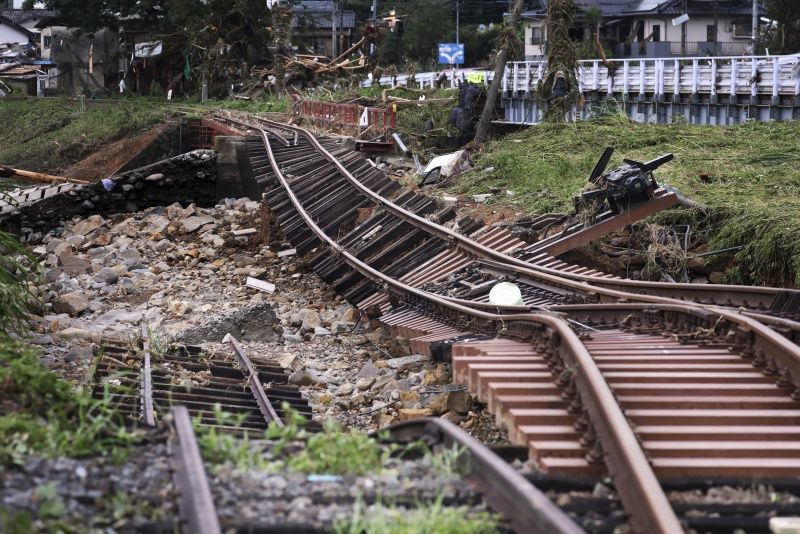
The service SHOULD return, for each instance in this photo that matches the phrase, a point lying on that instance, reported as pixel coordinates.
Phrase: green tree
(478, 46)
(784, 37)
(426, 23)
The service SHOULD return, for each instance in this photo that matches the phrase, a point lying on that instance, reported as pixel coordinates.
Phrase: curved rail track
(594, 374)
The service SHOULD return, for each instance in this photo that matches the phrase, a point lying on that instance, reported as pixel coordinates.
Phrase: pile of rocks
(184, 271)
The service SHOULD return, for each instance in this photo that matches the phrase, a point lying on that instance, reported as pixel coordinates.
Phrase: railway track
(189, 389)
(584, 373)
(143, 384)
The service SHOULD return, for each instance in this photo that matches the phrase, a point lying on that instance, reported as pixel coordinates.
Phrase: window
(536, 35)
(742, 29)
(711, 33)
(656, 33)
(47, 41)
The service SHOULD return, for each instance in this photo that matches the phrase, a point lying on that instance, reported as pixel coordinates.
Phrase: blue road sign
(451, 53)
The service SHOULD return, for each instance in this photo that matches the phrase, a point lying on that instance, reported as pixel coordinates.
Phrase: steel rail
(251, 375)
(785, 353)
(616, 295)
(477, 249)
(147, 380)
(506, 491)
(483, 251)
(194, 494)
(638, 487)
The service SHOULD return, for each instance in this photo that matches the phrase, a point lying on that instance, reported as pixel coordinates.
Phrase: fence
(771, 76)
(349, 114)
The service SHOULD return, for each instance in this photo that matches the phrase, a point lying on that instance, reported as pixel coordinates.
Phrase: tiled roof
(617, 8)
(19, 16)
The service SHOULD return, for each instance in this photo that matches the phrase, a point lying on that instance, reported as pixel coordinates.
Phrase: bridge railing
(774, 76)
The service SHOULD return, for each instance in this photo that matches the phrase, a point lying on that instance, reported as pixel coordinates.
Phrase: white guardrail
(738, 75)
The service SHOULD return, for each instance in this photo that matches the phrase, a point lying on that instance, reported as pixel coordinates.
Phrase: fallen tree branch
(10, 172)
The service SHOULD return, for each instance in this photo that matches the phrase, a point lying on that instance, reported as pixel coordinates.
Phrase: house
(12, 33)
(322, 27)
(79, 64)
(647, 28)
(28, 18)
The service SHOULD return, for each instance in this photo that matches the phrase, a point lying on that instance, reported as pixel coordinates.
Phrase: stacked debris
(300, 70)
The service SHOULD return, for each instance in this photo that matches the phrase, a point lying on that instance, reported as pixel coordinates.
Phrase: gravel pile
(92, 493)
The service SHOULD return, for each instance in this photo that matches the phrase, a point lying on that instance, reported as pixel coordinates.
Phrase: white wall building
(644, 28)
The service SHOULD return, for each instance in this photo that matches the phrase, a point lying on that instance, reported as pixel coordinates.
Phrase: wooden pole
(499, 71)
(38, 176)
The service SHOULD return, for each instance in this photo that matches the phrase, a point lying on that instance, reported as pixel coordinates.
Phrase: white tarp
(148, 49)
(450, 164)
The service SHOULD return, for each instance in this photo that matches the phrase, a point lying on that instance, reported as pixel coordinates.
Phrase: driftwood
(10, 172)
(409, 102)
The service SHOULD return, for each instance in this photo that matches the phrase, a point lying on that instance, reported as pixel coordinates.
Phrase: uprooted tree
(558, 88)
(505, 43)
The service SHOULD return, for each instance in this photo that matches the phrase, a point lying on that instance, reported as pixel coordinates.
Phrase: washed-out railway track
(594, 374)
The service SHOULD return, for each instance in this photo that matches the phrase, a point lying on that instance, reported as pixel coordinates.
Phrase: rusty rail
(481, 251)
(637, 484)
(194, 494)
(525, 507)
(253, 382)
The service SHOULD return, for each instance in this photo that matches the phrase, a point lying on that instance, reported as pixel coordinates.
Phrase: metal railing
(699, 48)
(349, 114)
(739, 75)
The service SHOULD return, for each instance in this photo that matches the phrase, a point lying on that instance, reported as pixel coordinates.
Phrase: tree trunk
(499, 70)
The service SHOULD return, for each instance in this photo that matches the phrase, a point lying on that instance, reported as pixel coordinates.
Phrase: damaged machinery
(622, 188)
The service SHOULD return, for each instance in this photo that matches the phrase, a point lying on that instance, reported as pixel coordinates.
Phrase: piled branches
(290, 68)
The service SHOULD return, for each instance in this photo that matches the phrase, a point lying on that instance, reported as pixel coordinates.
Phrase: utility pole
(499, 71)
(754, 29)
(684, 8)
(334, 19)
(716, 28)
(458, 14)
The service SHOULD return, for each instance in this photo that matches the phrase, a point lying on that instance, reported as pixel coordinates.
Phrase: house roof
(8, 22)
(693, 7)
(632, 8)
(24, 15)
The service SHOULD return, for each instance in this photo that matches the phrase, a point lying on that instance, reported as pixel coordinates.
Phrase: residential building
(322, 27)
(12, 33)
(645, 28)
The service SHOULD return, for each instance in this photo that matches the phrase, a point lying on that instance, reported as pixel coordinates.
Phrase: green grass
(47, 135)
(748, 175)
(43, 414)
(19, 274)
(432, 518)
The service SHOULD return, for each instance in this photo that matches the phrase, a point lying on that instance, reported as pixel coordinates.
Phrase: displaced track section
(382, 262)
(145, 383)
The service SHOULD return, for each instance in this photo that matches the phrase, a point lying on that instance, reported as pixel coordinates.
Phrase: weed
(15, 522)
(218, 448)
(18, 272)
(431, 518)
(44, 414)
(338, 452)
(50, 503)
(746, 174)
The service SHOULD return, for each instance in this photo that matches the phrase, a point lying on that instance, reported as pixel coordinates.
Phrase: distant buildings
(644, 28)
(322, 27)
